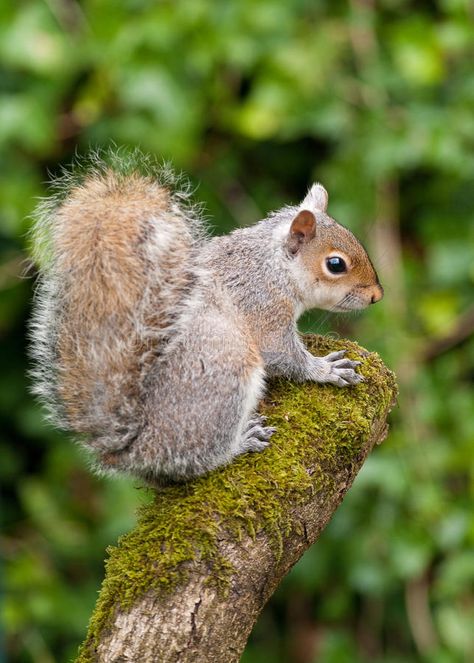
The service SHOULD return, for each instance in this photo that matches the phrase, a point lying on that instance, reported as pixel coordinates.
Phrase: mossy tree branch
(188, 583)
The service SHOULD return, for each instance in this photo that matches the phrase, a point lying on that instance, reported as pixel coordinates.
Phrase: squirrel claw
(257, 437)
(256, 420)
(332, 356)
(345, 363)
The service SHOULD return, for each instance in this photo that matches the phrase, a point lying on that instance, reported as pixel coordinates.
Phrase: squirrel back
(117, 250)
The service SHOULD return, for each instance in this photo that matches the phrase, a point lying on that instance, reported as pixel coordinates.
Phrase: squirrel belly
(152, 341)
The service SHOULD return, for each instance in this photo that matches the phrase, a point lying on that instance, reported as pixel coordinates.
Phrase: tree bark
(188, 584)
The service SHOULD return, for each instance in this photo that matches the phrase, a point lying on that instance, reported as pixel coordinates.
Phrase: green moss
(319, 426)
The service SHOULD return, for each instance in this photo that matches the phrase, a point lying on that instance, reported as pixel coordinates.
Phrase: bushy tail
(116, 246)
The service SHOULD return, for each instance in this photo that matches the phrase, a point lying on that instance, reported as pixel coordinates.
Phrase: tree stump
(187, 584)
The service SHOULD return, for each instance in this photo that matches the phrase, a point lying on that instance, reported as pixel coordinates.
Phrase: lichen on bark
(321, 432)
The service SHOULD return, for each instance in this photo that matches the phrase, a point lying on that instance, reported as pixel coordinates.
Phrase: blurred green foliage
(255, 99)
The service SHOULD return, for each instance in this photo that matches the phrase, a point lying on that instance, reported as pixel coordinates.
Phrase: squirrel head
(331, 266)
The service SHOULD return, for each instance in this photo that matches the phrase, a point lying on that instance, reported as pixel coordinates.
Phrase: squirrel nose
(377, 294)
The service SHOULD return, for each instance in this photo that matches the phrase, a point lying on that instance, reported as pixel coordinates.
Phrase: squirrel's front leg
(296, 363)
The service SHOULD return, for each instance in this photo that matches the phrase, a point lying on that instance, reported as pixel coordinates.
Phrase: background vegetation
(255, 99)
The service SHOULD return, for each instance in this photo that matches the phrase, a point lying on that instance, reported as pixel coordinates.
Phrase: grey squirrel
(153, 341)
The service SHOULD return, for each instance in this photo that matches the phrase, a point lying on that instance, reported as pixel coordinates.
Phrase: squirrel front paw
(335, 369)
(257, 436)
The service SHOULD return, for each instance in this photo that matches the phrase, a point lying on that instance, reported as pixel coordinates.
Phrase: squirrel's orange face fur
(334, 267)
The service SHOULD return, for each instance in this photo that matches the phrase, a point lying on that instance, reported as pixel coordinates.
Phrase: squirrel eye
(336, 265)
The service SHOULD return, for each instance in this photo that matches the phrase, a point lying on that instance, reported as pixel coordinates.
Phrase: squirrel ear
(316, 198)
(302, 230)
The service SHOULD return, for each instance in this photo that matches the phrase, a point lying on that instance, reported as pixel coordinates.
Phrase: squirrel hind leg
(187, 433)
